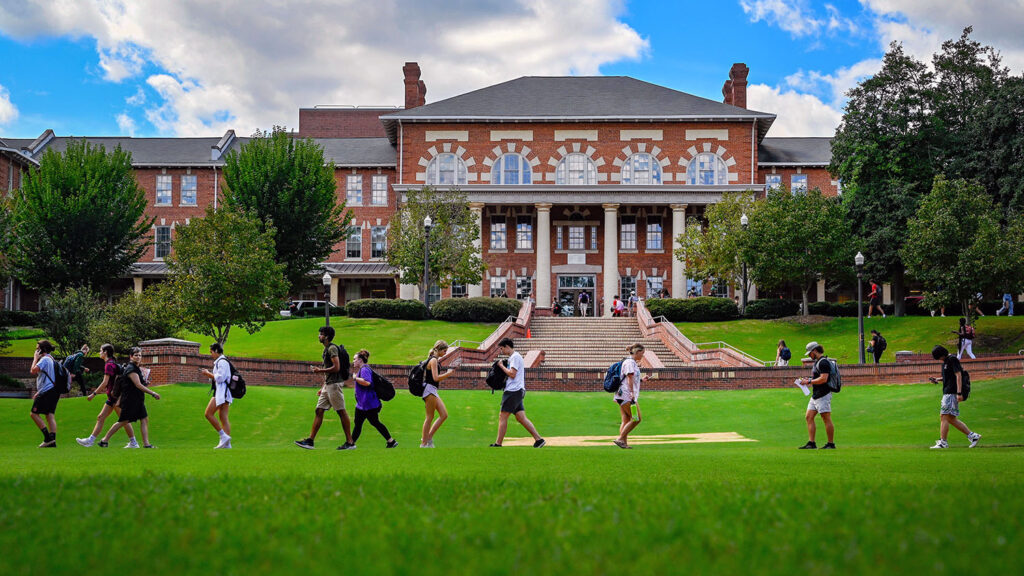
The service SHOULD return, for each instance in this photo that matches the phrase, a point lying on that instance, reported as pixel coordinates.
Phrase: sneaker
(391, 444)
(49, 444)
(622, 444)
(225, 443)
(829, 446)
(809, 446)
(306, 444)
(347, 446)
(540, 443)
(132, 444)
(940, 444)
(103, 444)
(429, 444)
(973, 437)
(85, 442)
(148, 446)
(495, 445)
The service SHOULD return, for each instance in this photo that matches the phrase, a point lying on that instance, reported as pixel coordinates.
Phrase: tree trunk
(222, 334)
(806, 306)
(899, 301)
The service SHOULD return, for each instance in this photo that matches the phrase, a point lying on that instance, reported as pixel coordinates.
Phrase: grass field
(839, 335)
(883, 503)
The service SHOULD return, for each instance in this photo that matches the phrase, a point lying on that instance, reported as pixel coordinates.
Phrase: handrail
(459, 343)
(720, 344)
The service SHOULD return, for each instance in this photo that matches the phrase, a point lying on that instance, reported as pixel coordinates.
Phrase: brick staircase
(590, 342)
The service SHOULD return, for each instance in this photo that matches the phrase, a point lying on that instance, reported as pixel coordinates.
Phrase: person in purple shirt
(368, 406)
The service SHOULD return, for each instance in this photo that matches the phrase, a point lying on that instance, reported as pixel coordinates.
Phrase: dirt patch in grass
(807, 320)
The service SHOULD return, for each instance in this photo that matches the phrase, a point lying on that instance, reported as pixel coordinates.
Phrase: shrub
(702, 309)
(18, 318)
(767, 308)
(386, 308)
(67, 321)
(7, 381)
(820, 308)
(318, 312)
(475, 309)
(132, 319)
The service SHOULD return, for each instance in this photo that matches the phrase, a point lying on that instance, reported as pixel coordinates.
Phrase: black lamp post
(744, 221)
(327, 298)
(858, 260)
(427, 223)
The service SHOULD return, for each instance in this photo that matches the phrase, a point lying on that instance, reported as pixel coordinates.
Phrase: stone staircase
(590, 342)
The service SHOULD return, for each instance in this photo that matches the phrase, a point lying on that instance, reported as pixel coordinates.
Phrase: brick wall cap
(174, 341)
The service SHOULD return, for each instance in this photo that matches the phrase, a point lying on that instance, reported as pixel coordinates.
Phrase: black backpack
(835, 381)
(383, 387)
(61, 377)
(236, 382)
(965, 383)
(881, 344)
(613, 378)
(416, 376)
(344, 363)
(785, 354)
(496, 377)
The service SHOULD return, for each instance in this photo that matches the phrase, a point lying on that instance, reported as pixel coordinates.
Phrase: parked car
(302, 305)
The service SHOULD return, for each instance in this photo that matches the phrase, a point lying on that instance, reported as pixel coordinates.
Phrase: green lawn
(839, 335)
(881, 504)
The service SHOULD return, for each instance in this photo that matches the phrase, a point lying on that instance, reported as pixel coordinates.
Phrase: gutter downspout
(753, 143)
(401, 148)
(215, 188)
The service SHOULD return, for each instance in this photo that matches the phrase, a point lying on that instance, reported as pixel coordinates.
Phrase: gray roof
(151, 151)
(360, 269)
(573, 98)
(359, 152)
(797, 151)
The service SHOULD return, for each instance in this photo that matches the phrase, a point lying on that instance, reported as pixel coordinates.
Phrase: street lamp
(427, 223)
(327, 298)
(858, 260)
(744, 221)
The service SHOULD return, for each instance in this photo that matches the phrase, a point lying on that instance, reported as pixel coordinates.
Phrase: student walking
(110, 373)
(821, 397)
(875, 299)
(629, 394)
(877, 346)
(220, 405)
(336, 367)
(133, 401)
(44, 401)
(584, 301)
(368, 405)
(965, 339)
(512, 397)
(1007, 307)
(432, 402)
(952, 396)
(782, 354)
(632, 303)
(75, 365)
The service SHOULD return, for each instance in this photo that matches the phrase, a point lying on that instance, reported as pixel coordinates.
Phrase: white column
(886, 294)
(611, 257)
(821, 290)
(138, 285)
(476, 290)
(408, 292)
(543, 255)
(334, 289)
(678, 266)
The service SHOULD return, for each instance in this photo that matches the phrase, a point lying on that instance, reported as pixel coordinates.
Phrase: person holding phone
(110, 373)
(133, 401)
(629, 393)
(220, 404)
(44, 401)
(432, 403)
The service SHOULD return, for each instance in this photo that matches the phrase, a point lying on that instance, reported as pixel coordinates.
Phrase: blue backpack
(786, 354)
(613, 378)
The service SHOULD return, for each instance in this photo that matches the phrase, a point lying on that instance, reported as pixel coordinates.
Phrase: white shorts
(950, 406)
(222, 395)
(430, 390)
(821, 405)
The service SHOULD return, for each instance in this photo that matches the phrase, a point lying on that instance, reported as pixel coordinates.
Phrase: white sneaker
(225, 443)
(132, 444)
(940, 444)
(973, 437)
(85, 442)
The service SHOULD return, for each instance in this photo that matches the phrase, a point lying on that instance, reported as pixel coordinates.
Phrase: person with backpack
(368, 405)
(877, 346)
(584, 301)
(44, 401)
(782, 354)
(821, 396)
(875, 299)
(133, 401)
(1007, 307)
(965, 339)
(75, 366)
(110, 373)
(220, 405)
(336, 370)
(628, 394)
(617, 307)
(432, 376)
(954, 391)
(513, 394)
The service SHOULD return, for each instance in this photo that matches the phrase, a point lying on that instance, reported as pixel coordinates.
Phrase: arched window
(641, 169)
(511, 169)
(446, 170)
(576, 169)
(707, 169)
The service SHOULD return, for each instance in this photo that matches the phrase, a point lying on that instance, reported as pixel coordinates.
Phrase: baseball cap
(811, 346)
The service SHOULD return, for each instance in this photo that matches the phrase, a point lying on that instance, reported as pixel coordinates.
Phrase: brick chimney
(738, 82)
(727, 92)
(423, 93)
(415, 89)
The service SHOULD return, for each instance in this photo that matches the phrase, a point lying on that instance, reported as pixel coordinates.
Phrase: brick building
(579, 184)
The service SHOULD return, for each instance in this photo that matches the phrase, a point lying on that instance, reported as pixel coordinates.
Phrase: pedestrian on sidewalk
(44, 401)
(133, 401)
(965, 339)
(432, 377)
(220, 404)
(336, 369)
(875, 299)
(952, 396)
(877, 346)
(782, 354)
(821, 397)
(512, 397)
(368, 405)
(1007, 307)
(109, 386)
(628, 394)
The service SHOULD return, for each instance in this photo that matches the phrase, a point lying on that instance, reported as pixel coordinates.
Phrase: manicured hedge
(386, 308)
(767, 308)
(19, 318)
(702, 309)
(319, 312)
(475, 309)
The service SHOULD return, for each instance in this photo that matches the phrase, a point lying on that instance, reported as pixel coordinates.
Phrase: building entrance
(569, 290)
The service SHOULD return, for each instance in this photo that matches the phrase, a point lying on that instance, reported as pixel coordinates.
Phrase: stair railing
(718, 345)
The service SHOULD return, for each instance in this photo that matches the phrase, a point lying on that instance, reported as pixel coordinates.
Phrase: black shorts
(874, 301)
(512, 402)
(46, 403)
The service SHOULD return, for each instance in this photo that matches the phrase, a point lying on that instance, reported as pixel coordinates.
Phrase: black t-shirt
(949, 369)
(822, 366)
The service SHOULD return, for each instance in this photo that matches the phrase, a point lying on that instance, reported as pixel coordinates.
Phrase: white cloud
(793, 16)
(8, 111)
(798, 114)
(833, 86)
(229, 64)
(137, 99)
(126, 124)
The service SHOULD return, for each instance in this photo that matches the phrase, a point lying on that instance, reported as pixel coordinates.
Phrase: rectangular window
(163, 242)
(378, 241)
(524, 233)
(188, 190)
(163, 190)
(627, 285)
(577, 238)
(459, 291)
(773, 181)
(379, 196)
(499, 234)
(593, 238)
(627, 233)
(354, 191)
(558, 239)
(354, 244)
(799, 183)
(433, 294)
(654, 286)
(524, 287)
(654, 236)
(498, 284)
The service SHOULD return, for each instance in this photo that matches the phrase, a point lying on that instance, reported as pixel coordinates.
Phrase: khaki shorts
(331, 398)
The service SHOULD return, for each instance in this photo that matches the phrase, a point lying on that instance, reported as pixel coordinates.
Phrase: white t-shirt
(630, 374)
(515, 362)
(44, 380)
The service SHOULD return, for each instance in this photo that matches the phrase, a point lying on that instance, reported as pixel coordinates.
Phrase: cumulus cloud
(793, 16)
(126, 124)
(230, 65)
(798, 114)
(8, 111)
(834, 86)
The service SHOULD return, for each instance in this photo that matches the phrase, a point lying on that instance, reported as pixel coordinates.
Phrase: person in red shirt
(875, 299)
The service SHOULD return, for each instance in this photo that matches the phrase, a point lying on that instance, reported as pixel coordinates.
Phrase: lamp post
(427, 223)
(858, 260)
(327, 298)
(744, 221)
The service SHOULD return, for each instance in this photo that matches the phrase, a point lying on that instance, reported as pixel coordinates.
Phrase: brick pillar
(678, 266)
(611, 257)
(543, 255)
(475, 290)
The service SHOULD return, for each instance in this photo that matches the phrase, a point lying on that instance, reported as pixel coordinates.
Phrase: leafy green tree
(290, 187)
(995, 148)
(78, 219)
(716, 251)
(798, 239)
(223, 274)
(135, 318)
(69, 314)
(453, 257)
(957, 246)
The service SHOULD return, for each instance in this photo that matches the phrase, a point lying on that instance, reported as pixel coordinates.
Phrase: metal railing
(460, 343)
(718, 345)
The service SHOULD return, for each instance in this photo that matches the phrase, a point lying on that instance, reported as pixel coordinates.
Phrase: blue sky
(194, 68)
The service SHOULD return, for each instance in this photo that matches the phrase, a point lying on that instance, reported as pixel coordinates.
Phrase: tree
(957, 247)
(884, 154)
(78, 219)
(453, 256)
(135, 318)
(798, 238)
(717, 250)
(995, 148)
(68, 316)
(291, 189)
(222, 273)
